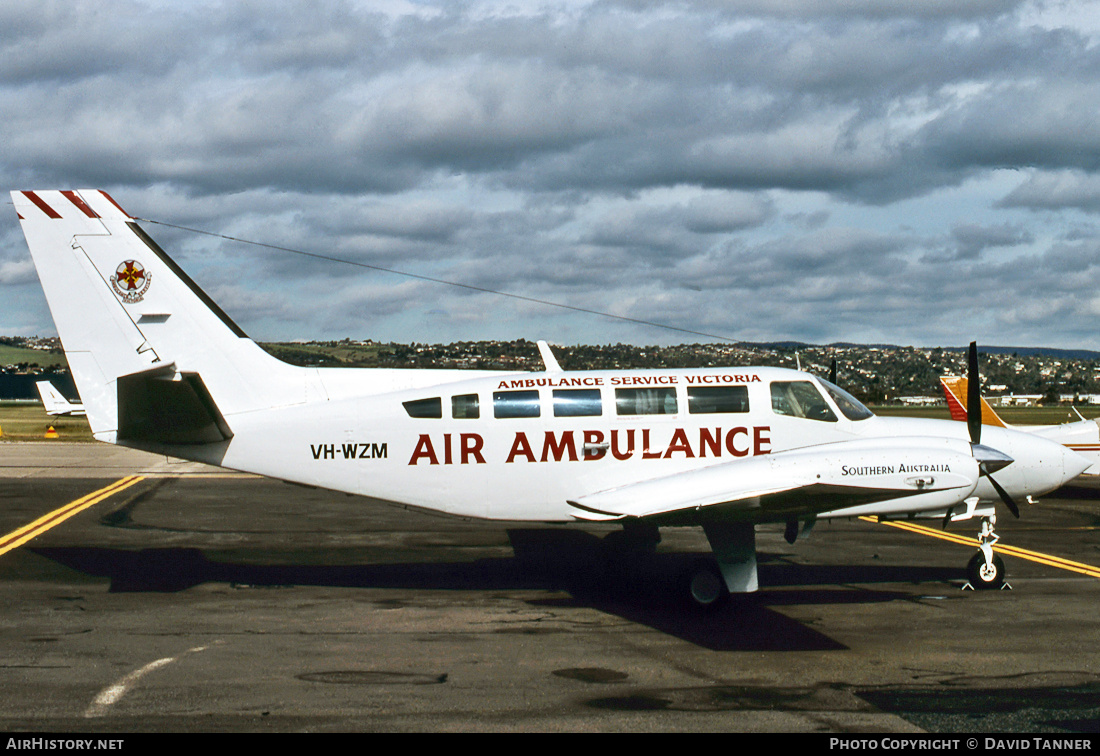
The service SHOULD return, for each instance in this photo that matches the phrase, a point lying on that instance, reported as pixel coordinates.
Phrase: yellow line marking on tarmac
(1033, 556)
(19, 537)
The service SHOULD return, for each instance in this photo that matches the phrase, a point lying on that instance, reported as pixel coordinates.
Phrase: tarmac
(180, 598)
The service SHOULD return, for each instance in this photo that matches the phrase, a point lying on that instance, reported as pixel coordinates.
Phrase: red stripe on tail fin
(112, 201)
(49, 211)
(958, 411)
(75, 199)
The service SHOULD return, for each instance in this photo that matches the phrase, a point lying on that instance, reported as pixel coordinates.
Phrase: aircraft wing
(866, 477)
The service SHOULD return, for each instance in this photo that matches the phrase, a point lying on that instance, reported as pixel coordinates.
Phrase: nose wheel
(986, 570)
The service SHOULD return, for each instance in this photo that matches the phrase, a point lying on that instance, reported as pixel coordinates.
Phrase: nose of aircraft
(1073, 464)
(1042, 465)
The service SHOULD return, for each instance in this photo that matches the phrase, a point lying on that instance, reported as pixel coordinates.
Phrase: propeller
(989, 460)
(832, 373)
(973, 396)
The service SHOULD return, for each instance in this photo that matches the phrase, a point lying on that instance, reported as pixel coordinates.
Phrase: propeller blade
(989, 459)
(1004, 495)
(832, 372)
(974, 396)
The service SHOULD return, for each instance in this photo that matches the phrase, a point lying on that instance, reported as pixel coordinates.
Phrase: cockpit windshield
(852, 408)
(800, 399)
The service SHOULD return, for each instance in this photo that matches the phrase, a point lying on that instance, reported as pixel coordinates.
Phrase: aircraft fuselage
(520, 446)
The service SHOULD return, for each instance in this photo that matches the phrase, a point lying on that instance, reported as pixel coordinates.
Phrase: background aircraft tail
(155, 360)
(55, 402)
(954, 389)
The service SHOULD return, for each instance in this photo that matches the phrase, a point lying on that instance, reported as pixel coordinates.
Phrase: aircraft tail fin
(954, 389)
(55, 402)
(155, 360)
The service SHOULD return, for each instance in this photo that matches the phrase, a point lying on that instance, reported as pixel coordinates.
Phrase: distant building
(1015, 400)
(1081, 398)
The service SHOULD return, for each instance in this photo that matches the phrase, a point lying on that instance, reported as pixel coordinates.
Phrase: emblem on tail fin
(131, 281)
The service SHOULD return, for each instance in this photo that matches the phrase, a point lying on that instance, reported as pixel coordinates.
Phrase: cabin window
(709, 400)
(577, 403)
(645, 401)
(465, 407)
(515, 404)
(424, 407)
(800, 399)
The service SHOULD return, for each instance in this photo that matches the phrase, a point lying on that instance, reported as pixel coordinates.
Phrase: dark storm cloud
(969, 240)
(337, 99)
(671, 232)
(1046, 124)
(799, 267)
(1055, 190)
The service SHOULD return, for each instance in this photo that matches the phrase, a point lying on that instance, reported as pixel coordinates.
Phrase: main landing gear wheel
(984, 575)
(704, 586)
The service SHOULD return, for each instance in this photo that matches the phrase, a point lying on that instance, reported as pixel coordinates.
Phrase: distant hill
(1069, 354)
(17, 355)
(872, 372)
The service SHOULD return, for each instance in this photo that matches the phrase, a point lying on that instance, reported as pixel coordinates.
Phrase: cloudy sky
(923, 172)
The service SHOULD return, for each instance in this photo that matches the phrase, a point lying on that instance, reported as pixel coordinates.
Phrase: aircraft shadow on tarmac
(641, 589)
(1088, 490)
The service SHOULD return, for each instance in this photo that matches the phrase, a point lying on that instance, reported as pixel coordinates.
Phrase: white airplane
(55, 402)
(162, 368)
(1083, 436)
